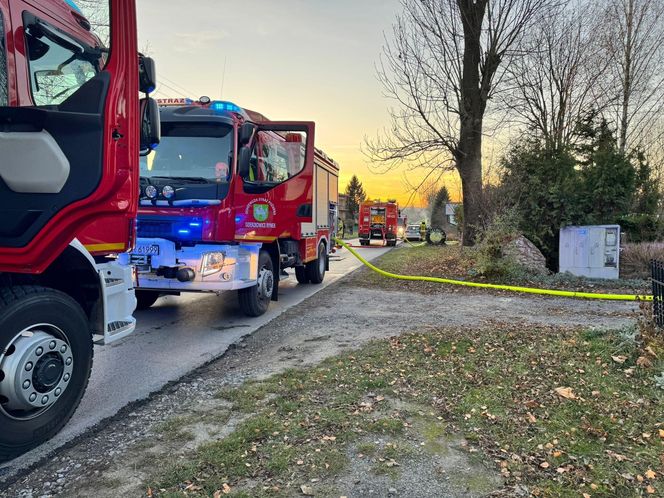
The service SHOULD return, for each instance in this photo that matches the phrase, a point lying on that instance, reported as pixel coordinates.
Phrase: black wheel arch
(73, 274)
(273, 250)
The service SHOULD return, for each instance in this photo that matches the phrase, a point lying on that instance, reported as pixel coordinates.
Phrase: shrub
(635, 259)
(492, 261)
(641, 227)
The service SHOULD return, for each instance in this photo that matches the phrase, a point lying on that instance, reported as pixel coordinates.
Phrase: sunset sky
(288, 59)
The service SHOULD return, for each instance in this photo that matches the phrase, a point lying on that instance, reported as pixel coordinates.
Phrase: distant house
(450, 208)
(343, 207)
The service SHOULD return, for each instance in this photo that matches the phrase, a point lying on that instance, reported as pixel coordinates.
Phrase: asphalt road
(174, 337)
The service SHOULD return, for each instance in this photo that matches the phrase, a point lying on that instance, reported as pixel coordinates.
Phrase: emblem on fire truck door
(261, 212)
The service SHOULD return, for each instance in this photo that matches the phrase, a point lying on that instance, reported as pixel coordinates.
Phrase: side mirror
(245, 133)
(150, 125)
(244, 161)
(147, 74)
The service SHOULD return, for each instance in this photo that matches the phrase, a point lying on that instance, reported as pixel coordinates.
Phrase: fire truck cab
(69, 146)
(228, 202)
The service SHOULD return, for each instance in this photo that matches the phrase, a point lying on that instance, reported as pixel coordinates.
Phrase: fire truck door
(52, 142)
(276, 191)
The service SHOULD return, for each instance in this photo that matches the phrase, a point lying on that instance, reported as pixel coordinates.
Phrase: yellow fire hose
(526, 290)
(414, 245)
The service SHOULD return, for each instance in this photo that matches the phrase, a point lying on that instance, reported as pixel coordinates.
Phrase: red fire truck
(229, 200)
(380, 220)
(69, 147)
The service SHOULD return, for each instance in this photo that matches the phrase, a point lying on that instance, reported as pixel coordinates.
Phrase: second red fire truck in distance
(228, 201)
(380, 221)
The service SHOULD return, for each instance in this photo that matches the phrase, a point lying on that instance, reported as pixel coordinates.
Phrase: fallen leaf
(556, 454)
(531, 418)
(586, 495)
(544, 465)
(226, 489)
(300, 462)
(307, 490)
(644, 362)
(619, 359)
(565, 392)
(617, 456)
(594, 486)
(661, 433)
(650, 490)
(651, 474)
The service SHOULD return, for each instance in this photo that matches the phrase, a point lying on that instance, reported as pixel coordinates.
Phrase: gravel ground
(116, 457)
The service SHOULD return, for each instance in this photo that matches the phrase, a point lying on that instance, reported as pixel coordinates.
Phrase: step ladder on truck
(70, 117)
(229, 201)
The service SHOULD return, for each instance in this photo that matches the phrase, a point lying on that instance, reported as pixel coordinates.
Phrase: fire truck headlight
(400, 231)
(151, 192)
(168, 192)
(212, 263)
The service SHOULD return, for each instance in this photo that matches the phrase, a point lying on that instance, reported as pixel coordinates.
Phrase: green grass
(460, 263)
(496, 386)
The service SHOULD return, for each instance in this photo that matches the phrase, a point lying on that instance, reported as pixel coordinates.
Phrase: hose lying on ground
(526, 290)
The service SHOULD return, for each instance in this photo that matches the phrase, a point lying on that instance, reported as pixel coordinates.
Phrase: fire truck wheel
(255, 300)
(45, 364)
(316, 268)
(145, 299)
(301, 275)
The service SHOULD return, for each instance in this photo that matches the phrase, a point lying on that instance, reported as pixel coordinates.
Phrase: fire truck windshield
(195, 151)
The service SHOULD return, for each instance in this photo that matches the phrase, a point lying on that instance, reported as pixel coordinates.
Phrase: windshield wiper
(184, 179)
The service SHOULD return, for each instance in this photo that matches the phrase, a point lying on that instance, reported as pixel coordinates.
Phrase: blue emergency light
(73, 6)
(221, 106)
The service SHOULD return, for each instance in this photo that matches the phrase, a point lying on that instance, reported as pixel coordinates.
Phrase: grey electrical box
(590, 251)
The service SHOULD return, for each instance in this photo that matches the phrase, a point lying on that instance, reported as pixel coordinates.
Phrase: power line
(181, 88)
(177, 92)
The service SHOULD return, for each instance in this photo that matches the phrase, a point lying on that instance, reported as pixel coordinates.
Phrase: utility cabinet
(590, 251)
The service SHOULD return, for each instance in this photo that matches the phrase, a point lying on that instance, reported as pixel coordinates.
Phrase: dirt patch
(119, 457)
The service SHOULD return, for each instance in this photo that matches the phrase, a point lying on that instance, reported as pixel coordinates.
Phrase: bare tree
(633, 41)
(554, 84)
(98, 14)
(446, 60)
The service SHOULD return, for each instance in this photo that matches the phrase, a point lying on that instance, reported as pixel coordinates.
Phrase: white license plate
(147, 250)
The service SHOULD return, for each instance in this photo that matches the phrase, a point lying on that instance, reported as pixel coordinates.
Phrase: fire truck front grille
(179, 229)
(154, 228)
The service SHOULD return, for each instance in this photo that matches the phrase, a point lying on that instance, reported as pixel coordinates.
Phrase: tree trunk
(469, 166)
(627, 77)
(473, 104)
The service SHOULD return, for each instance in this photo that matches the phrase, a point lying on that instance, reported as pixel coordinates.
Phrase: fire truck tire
(255, 300)
(316, 268)
(145, 299)
(301, 275)
(45, 364)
